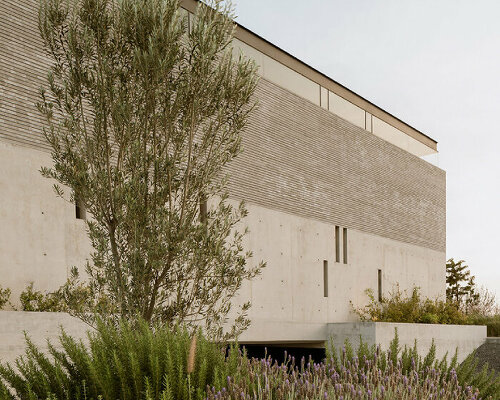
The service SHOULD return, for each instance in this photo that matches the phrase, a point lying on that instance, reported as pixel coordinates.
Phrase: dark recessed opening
(379, 285)
(203, 211)
(79, 210)
(325, 278)
(337, 244)
(345, 246)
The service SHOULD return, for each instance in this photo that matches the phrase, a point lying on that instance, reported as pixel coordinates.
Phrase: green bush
(492, 323)
(4, 297)
(409, 361)
(35, 300)
(122, 362)
(399, 307)
(146, 363)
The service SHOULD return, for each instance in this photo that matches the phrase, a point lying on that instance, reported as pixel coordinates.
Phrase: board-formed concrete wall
(301, 159)
(447, 338)
(298, 157)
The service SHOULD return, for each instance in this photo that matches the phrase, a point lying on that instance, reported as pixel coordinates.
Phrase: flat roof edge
(271, 50)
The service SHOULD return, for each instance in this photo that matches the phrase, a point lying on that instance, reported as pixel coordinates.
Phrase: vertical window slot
(203, 210)
(79, 209)
(379, 285)
(325, 278)
(345, 245)
(337, 244)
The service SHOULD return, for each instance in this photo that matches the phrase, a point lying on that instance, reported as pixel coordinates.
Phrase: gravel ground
(489, 353)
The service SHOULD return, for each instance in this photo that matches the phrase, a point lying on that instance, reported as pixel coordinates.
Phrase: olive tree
(143, 109)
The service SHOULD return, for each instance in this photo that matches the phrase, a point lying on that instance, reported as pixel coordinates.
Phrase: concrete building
(339, 194)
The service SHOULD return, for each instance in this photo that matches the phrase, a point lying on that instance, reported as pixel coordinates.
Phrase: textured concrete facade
(291, 287)
(302, 159)
(315, 164)
(40, 238)
(39, 327)
(304, 172)
(448, 338)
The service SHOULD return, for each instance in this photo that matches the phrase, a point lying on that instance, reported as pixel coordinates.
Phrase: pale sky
(435, 65)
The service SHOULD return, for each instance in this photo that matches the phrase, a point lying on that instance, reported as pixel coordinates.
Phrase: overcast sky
(435, 65)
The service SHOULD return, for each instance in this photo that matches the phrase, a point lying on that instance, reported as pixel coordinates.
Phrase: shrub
(35, 300)
(139, 362)
(4, 297)
(399, 307)
(122, 362)
(492, 323)
(408, 361)
(365, 373)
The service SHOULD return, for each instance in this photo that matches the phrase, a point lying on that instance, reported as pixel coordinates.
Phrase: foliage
(461, 288)
(364, 373)
(125, 362)
(4, 297)
(35, 300)
(492, 323)
(399, 307)
(485, 304)
(142, 112)
(140, 362)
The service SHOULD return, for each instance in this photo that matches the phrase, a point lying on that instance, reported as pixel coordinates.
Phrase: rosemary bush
(125, 362)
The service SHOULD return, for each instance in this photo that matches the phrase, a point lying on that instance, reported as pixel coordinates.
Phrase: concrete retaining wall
(447, 338)
(39, 327)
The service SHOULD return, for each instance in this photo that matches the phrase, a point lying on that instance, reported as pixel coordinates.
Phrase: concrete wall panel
(294, 248)
(39, 326)
(40, 237)
(447, 338)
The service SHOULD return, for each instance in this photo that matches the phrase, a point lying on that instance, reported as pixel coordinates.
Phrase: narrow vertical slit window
(325, 278)
(337, 244)
(203, 210)
(345, 245)
(379, 277)
(79, 209)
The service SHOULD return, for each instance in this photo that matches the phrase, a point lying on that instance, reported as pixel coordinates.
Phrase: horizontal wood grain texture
(298, 158)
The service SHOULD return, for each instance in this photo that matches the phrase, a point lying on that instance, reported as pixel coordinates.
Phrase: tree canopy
(144, 107)
(461, 288)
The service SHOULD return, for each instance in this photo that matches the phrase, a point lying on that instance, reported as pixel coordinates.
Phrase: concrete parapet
(448, 338)
(493, 340)
(39, 327)
(43, 326)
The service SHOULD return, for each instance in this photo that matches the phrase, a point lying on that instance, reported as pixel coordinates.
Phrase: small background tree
(143, 110)
(460, 285)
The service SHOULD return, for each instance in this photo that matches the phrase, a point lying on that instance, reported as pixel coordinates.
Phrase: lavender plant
(362, 373)
(360, 379)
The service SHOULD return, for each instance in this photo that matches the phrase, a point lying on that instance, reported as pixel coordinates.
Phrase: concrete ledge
(43, 326)
(448, 338)
(285, 333)
(39, 326)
